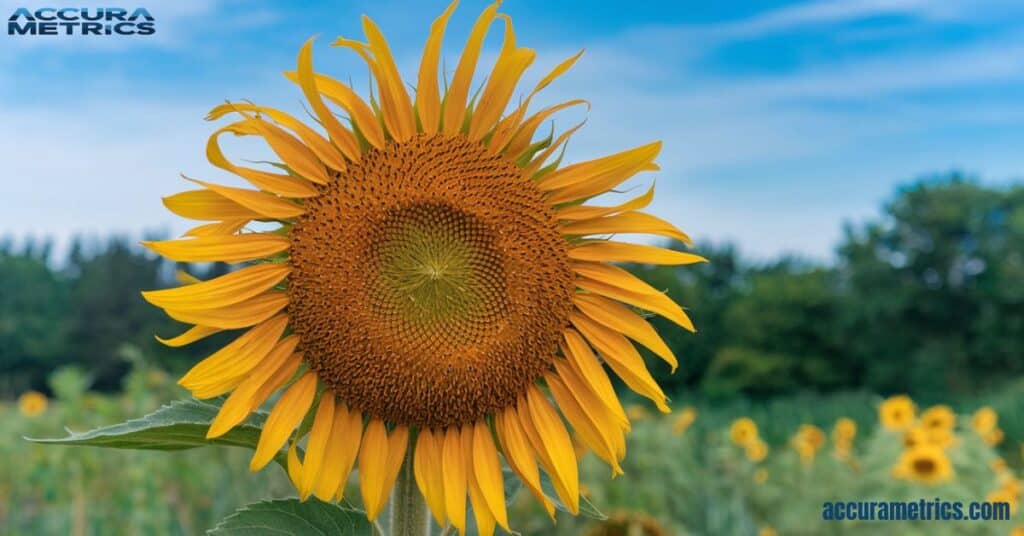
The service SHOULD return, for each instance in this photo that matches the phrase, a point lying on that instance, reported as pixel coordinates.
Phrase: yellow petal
(535, 165)
(453, 466)
(626, 222)
(269, 375)
(509, 126)
(275, 183)
(228, 227)
(597, 176)
(584, 212)
(395, 104)
(455, 100)
(227, 289)
(511, 64)
(264, 204)
(235, 316)
(339, 135)
(600, 411)
(229, 249)
(286, 415)
(588, 429)
(294, 464)
(316, 446)
(619, 284)
(299, 158)
(428, 97)
(342, 95)
(320, 146)
(427, 470)
(208, 205)
(342, 449)
(590, 372)
(619, 318)
(551, 442)
(238, 357)
(193, 334)
(481, 511)
(487, 469)
(380, 459)
(522, 138)
(608, 251)
(614, 276)
(623, 358)
(520, 456)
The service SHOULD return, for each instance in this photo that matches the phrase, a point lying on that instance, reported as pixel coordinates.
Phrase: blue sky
(781, 121)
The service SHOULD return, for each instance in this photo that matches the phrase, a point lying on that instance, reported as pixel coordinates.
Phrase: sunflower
(897, 412)
(1004, 496)
(685, 419)
(426, 283)
(924, 463)
(984, 420)
(938, 417)
(32, 403)
(742, 431)
(812, 435)
(845, 429)
(993, 437)
(756, 450)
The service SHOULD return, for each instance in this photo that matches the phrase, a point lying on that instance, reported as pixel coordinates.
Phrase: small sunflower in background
(984, 420)
(628, 524)
(32, 403)
(742, 431)
(807, 440)
(938, 417)
(756, 450)
(427, 283)
(924, 463)
(993, 437)
(685, 419)
(1004, 496)
(897, 412)
(845, 429)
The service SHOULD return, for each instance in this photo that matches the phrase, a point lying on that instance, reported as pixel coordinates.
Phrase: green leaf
(289, 517)
(178, 426)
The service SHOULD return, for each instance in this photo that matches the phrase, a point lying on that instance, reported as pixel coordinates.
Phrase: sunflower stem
(408, 509)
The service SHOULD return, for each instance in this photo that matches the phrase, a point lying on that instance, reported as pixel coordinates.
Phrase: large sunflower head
(426, 281)
(940, 417)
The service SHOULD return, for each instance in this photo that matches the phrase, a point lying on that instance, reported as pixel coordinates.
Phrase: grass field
(683, 474)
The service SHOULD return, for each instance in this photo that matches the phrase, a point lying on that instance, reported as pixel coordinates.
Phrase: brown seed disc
(430, 284)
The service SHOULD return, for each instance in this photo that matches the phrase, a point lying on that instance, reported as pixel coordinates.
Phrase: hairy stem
(408, 509)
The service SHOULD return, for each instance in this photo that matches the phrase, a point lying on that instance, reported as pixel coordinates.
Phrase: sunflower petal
(208, 205)
(230, 249)
(342, 449)
(520, 456)
(340, 136)
(227, 289)
(481, 511)
(592, 404)
(626, 322)
(584, 212)
(219, 228)
(453, 466)
(626, 222)
(608, 251)
(623, 358)
(395, 102)
(316, 446)
(588, 429)
(454, 108)
(650, 299)
(320, 146)
(286, 415)
(342, 95)
(275, 183)
(552, 444)
(428, 98)
(602, 174)
(487, 469)
(380, 459)
(589, 370)
(240, 315)
(522, 138)
(512, 63)
(534, 166)
(429, 476)
(192, 335)
(266, 377)
(235, 359)
(262, 203)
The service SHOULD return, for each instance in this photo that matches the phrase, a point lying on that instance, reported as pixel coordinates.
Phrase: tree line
(926, 298)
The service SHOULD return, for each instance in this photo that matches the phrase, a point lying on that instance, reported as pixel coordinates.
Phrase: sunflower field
(711, 467)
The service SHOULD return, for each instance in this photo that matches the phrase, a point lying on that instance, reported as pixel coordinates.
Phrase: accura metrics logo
(96, 21)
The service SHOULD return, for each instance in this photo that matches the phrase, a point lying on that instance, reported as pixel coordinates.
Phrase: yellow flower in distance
(742, 431)
(924, 463)
(812, 435)
(756, 450)
(993, 437)
(938, 417)
(984, 420)
(426, 269)
(845, 428)
(1017, 531)
(685, 419)
(636, 412)
(897, 412)
(1004, 496)
(767, 531)
(32, 403)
